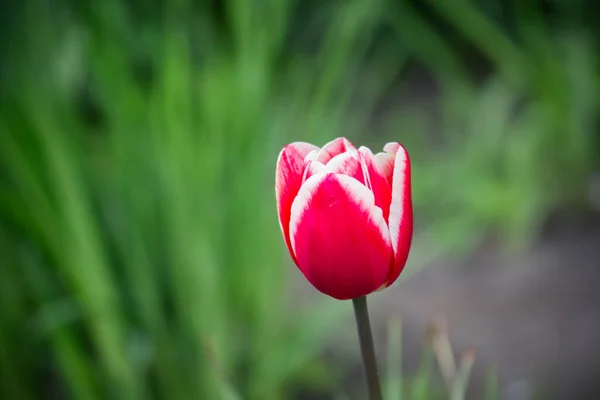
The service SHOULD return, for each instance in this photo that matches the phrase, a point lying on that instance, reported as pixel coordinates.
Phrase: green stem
(367, 348)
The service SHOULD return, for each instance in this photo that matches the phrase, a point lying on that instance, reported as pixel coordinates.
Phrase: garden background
(140, 254)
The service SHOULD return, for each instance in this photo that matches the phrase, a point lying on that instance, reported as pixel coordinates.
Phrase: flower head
(345, 214)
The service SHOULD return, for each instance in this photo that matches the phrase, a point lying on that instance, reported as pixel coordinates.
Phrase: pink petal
(312, 155)
(378, 183)
(386, 164)
(392, 147)
(387, 159)
(333, 148)
(348, 164)
(401, 213)
(312, 168)
(339, 237)
(361, 166)
(288, 179)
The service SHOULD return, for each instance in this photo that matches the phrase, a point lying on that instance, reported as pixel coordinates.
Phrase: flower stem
(367, 348)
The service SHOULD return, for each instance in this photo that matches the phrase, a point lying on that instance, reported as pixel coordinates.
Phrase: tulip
(345, 214)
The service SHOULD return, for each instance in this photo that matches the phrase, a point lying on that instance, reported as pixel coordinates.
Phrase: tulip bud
(345, 214)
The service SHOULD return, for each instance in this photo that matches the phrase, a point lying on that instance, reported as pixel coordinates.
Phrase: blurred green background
(140, 254)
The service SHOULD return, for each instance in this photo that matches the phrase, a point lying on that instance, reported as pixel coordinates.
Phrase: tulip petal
(288, 179)
(348, 164)
(401, 213)
(333, 148)
(386, 160)
(377, 181)
(340, 238)
(312, 168)
(386, 164)
(392, 147)
(361, 166)
(312, 155)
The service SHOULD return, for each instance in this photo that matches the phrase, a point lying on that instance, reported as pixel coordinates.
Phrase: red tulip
(346, 214)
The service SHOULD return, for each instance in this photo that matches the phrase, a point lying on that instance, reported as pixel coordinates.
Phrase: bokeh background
(140, 254)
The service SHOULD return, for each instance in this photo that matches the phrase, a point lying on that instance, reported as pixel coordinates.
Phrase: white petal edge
(366, 153)
(313, 168)
(392, 147)
(325, 150)
(336, 163)
(385, 161)
(312, 155)
(357, 193)
(279, 182)
(396, 207)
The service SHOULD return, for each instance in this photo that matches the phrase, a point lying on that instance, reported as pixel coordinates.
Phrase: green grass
(160, 265)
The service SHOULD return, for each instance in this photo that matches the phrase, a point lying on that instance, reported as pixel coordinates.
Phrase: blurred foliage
(515, 132)
(141, 256)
